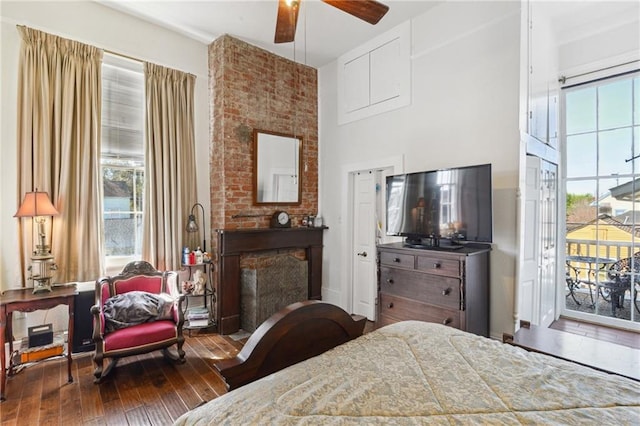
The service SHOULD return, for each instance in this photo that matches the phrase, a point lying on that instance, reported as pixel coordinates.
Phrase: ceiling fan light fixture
(370, 11)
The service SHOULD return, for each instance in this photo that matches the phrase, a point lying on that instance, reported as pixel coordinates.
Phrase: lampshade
(36, 204)
(192, 225)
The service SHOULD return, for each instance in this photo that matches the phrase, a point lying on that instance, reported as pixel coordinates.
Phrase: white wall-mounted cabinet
(543, 84)
(375, 77)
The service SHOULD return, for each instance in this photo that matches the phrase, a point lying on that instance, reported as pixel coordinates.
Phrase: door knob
(363, 254)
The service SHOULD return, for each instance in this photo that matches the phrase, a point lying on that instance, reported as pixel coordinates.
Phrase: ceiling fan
(370, 11)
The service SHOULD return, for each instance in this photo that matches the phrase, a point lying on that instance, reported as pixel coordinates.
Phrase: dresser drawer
(397, 259)
(434, 289)
(434, 265)
(403, 309)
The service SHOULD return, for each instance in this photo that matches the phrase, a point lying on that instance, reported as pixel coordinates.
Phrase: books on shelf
(197, 313)
(198, 317)
(199, 322)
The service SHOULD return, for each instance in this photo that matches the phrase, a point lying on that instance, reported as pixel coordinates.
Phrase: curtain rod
(562, 79)
(111, 52)
(131, 58)
(122, 55)
(595, 80)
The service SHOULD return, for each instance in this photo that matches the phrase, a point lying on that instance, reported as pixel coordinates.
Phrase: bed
(412, 373)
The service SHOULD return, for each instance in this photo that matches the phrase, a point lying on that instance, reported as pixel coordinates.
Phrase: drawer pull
(390, 305)
(363, 254)
(396, 259)
(436, 265)
(447, 321)
(446, 291)
(390, 280)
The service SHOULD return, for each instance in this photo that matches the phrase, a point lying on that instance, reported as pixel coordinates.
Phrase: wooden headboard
(298, 332)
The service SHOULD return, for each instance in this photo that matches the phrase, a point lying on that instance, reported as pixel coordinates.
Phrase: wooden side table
(23, 300)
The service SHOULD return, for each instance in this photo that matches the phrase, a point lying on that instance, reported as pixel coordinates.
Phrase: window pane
(615, 148)
(636, 150)
(581, 198)
(122, 155)
(581, 155)
(139, 189)
(119, 234)
(122, 112)
(623, 193)
(122, 220)
(601, 186)
(581, 111)
(614, 105)
(636, 101)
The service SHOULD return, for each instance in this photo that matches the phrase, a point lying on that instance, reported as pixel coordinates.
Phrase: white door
(537, 283)
(364, 245)
(530, 272)
(285, 187)
(548, 215)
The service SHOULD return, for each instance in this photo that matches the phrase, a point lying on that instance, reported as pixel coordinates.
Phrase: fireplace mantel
(233, 243)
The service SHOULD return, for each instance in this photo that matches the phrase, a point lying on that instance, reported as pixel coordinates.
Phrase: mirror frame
(256, 154)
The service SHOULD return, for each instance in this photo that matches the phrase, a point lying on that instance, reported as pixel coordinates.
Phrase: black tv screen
(452, 204)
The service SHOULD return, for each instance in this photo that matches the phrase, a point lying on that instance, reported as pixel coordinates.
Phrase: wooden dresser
(435, 285)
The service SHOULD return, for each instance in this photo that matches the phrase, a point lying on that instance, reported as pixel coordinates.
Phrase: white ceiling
(329, 31)
(324, 32)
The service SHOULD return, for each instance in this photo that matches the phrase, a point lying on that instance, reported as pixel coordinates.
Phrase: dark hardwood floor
(145, 389)
(601, 333)
(141, 390)
(604, 348)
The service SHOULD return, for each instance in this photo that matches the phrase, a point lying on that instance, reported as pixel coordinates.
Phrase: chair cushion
(141, 335)
(136, 307)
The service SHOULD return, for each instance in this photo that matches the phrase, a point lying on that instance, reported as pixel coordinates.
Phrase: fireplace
(233, 244)
(266, 290)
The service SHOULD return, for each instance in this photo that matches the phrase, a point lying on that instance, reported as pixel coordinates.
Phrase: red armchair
(142, 337)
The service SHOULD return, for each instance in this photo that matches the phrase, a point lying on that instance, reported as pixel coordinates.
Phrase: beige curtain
(59, 99)
(170, 178)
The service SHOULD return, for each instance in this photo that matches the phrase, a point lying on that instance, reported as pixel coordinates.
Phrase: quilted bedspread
(414, 373)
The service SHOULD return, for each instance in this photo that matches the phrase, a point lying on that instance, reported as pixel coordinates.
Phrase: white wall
(465, 109)
(94, 24)
(605, 48)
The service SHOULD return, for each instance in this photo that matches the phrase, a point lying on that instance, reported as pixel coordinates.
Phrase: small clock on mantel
(281, 219)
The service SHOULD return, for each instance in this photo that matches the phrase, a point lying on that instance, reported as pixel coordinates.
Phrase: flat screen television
(441, 208)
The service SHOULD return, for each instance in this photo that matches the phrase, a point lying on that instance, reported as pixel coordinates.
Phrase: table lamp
(38, 205)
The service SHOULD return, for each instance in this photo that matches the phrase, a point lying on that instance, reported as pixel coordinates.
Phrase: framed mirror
(277, 171)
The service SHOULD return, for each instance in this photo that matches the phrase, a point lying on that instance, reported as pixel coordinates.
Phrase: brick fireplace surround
(250, 88)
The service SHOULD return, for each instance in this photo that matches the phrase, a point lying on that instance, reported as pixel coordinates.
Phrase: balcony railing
(587, 280)
(610, 249)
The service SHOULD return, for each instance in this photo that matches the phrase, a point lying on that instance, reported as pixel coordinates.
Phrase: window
(122, 156)
(602, 149)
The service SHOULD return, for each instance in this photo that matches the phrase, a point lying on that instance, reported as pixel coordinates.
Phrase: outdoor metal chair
(618, 283)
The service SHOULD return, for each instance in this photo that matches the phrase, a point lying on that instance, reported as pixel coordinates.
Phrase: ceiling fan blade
(370, 11)
(287, 21)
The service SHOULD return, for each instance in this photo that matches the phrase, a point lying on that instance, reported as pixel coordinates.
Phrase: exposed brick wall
(251, 88)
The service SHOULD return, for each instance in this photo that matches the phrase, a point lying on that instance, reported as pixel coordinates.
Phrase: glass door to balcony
(602, 195)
